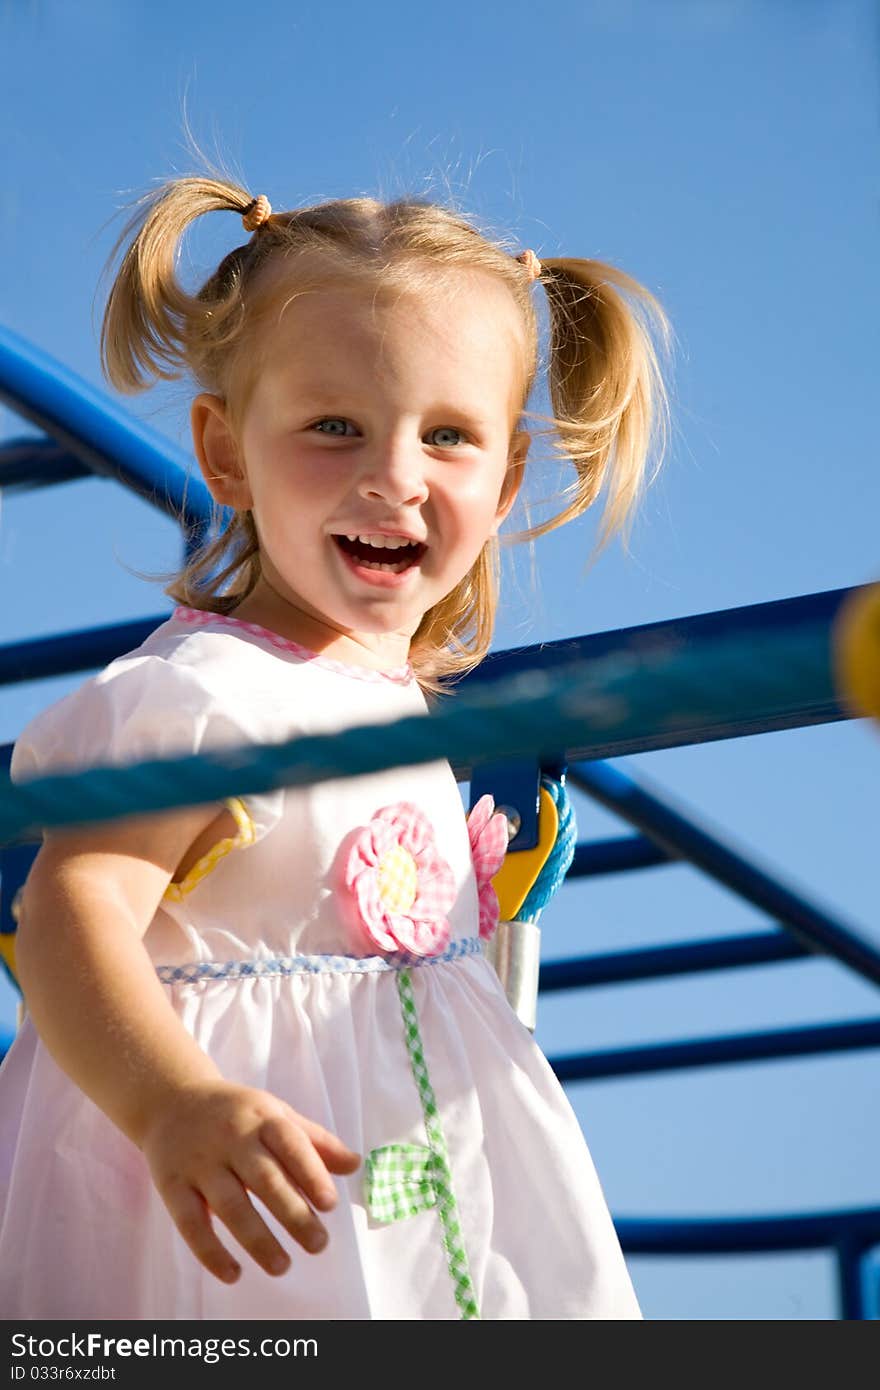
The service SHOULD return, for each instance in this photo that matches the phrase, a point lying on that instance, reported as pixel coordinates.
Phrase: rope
(552, 874)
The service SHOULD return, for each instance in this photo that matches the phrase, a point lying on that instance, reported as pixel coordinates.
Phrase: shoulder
(179, 690)
(207, 655)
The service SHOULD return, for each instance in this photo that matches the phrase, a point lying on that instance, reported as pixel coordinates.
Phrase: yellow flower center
(398, 879)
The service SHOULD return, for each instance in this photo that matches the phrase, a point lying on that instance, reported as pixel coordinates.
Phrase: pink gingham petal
(436, 892)
(359, 861)
(371, 914)
(380, 837)
(368, 850)
(478, 817)
(388, 814)
(414, 831)
(489, 911)
(422, 937)
(489, 839)
(361, 856)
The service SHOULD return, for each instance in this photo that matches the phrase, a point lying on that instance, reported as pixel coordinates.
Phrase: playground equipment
(520, 721)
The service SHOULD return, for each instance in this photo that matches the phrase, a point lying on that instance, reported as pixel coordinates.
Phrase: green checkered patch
(400, 1181)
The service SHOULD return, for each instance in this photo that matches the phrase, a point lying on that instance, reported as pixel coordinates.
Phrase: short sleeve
(141, 706)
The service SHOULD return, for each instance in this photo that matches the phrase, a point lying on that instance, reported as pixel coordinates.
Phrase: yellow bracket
(856, 642)
(7, 951)
(519, 872)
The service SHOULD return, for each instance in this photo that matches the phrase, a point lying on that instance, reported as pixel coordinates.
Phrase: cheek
(294, 488)
(476, 488)
(476, 505)
(465, 526)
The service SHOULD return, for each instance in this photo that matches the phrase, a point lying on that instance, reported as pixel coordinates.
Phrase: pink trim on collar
(199, 617)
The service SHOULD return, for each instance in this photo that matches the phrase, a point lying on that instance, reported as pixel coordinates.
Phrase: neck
(268, 608)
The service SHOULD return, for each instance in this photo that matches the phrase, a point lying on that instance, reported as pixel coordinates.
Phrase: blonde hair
(606, 389)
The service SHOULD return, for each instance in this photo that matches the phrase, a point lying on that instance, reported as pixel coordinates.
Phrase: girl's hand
(217, 1143)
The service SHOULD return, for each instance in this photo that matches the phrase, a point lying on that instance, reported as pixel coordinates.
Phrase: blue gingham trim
(309, 965)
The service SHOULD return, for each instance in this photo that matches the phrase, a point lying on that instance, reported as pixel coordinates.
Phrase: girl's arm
(106, 1019)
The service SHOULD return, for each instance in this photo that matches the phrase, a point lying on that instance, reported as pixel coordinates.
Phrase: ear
(216, 449)
(516, 467)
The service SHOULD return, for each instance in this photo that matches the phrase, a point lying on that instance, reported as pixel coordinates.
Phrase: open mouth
(391, 560)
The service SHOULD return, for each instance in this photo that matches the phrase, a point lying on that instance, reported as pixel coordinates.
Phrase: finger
(338, 1157)
(228, 1199)
(268, 1180)
(290, 1144)
(191, 1216)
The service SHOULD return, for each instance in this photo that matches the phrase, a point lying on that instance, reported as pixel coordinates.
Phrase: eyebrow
(324, 398)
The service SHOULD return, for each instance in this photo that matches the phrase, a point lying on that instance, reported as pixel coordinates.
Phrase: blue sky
(724, 153)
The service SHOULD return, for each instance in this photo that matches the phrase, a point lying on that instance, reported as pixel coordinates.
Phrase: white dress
(264, 959)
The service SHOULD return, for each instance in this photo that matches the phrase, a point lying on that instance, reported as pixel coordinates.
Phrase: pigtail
(151, 326)
(606, 388)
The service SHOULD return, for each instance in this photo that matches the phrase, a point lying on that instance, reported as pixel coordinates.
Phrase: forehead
(461, 330)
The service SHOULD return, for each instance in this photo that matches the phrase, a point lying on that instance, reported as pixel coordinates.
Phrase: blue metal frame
(851, 1234)
(98, 432)
(685, 958)
(89, 434)
(516, 788)
(30, 463)
(755, 1046)
(680, 837)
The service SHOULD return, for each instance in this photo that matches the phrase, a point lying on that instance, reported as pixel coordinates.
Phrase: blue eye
(337, 427)
(446, 429)
(332, 420)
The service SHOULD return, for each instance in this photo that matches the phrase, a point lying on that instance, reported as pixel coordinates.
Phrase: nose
(394, 473)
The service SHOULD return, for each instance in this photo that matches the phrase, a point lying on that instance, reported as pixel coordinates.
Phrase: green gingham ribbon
(403, 1179)
(400, 1181)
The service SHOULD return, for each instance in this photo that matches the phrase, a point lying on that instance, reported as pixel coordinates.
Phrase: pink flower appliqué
(487, 830)
(400, 886)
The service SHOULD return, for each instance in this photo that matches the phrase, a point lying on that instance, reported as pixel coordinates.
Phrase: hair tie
(256, 213)
(531, 263)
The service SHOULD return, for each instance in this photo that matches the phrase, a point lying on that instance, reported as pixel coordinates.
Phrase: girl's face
(372, 418)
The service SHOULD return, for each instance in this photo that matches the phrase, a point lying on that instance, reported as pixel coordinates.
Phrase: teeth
(382, 542)
(377, 565)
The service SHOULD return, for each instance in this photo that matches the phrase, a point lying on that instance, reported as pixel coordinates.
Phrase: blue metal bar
(755, 1234)
(614, 855)
(849, 1252)
(31, 463)
(680, 837)
(67, 652)
(99, 432)
(718, 1051)
(871, 1281)
(687, 957)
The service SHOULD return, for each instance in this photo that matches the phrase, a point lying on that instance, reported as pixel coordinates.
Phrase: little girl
(266, 1071)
